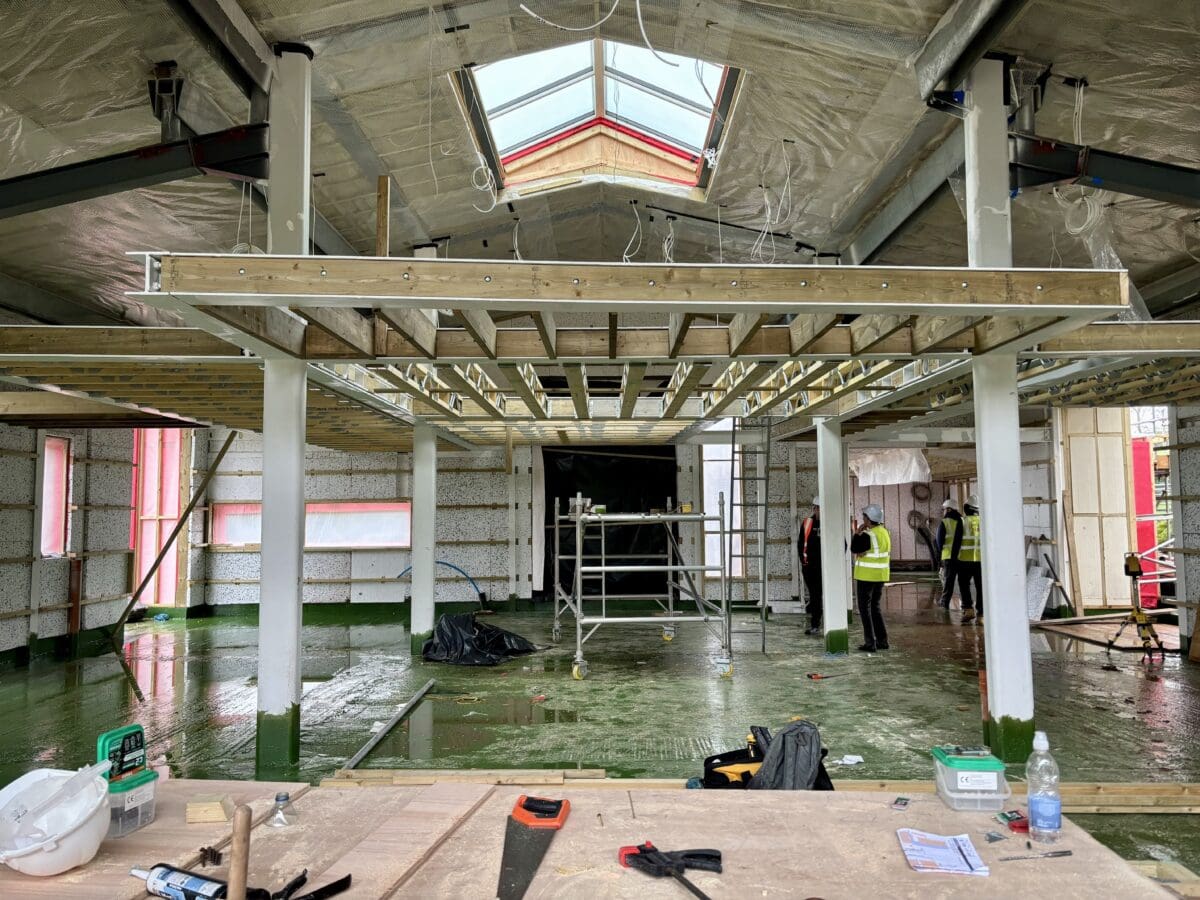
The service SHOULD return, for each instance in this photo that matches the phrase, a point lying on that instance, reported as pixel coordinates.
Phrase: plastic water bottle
(1045, 804)
(284, 814)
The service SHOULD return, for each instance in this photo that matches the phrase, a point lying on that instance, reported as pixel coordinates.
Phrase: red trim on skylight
(654, 142)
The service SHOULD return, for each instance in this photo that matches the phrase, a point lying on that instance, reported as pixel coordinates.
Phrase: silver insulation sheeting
(829, 97)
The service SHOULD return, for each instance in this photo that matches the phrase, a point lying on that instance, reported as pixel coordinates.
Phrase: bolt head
(885, 284)
(405, 276)
(803, 284)
(487, 278)
(651, 282)
(241, 271)
(1039, 287)
(733, 284)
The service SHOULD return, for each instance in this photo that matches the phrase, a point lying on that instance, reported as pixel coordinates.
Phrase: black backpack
(792, 760)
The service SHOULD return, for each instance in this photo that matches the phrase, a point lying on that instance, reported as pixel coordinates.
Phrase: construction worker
(970, 562)
(872, 549)
(808, 546)
(949, 543)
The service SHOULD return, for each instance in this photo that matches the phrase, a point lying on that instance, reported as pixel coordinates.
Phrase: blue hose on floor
(441, 562)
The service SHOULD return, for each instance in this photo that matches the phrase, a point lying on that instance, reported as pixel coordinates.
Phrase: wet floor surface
(648, 707)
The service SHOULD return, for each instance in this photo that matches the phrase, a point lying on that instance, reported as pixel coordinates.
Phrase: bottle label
(1045, 813)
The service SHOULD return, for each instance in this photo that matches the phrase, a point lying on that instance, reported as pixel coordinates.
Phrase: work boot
(968, 616)
(813, 629)
(866, 648)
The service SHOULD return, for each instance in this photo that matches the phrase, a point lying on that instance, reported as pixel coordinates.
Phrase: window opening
(156, 510)
(365, 524)
(56, 496)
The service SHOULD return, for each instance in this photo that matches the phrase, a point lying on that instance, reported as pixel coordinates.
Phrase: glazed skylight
(626, 93)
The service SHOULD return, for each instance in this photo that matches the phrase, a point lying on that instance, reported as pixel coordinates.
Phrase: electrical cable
(668, 244)
(642, 25)
(432, 170)
(516, 241)
(529, 12)
(1093, 211)
(630, 250)
(482, 179)
(720, 240)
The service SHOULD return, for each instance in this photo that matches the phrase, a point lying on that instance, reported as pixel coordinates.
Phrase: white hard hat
(873, 512)
(949, 504)
(817, 500)
(973, 500)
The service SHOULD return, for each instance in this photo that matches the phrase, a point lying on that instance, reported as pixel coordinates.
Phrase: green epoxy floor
(647, 708)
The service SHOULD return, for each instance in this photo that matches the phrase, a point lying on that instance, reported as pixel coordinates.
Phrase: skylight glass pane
(689, 79)
(544, 116)
(653, 115)
(508, 79)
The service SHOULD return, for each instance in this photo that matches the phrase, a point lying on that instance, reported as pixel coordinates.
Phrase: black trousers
(968, 572)
(950, 567)
(870, 593)
(815, 604)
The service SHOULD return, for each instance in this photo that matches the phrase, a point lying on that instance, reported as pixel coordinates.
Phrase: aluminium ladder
(749, 492)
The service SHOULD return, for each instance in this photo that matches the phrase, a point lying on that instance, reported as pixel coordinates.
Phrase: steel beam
(226, 32)
(966, 31)
(1035, 161)
(40, 304)
(240, 152)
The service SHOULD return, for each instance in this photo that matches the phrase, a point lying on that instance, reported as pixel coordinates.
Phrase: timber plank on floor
(167, 839)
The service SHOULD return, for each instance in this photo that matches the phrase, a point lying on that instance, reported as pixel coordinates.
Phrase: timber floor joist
(872, 345)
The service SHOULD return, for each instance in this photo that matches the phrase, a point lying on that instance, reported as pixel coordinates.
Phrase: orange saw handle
(538, 812)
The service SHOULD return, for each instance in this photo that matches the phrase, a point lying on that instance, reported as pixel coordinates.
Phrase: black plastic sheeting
(632, 479)
(462, 641)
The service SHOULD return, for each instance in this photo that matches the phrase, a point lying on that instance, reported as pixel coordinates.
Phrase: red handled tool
(531, 827)
(817, 676)
(657, 863)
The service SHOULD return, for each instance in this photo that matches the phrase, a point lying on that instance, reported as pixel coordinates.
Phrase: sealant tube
(171, 883)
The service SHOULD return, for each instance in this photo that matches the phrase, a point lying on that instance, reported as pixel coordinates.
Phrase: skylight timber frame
(684, 165)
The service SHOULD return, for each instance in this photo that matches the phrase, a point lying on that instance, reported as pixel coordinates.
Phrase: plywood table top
(445, 840)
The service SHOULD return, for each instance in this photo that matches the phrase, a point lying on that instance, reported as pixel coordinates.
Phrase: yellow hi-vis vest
(875, 564)
(970, 551)
(951, 526)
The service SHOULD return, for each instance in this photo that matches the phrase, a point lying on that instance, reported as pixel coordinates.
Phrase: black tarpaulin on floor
(462, 641)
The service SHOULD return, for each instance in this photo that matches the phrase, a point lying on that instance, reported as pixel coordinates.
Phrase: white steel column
(285, 396)
(997, 431)
(989, 221)
(424, 531)
(289, 202)
(285, 392)
(835, 534)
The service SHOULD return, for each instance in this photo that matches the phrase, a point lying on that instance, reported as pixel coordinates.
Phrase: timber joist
(786, 341)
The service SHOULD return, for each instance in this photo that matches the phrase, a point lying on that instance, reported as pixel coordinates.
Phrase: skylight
(612, 104)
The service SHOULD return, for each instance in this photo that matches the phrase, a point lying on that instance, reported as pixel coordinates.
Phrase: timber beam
(644, 287)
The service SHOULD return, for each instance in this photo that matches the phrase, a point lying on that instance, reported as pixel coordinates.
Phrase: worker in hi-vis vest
(872, 549)
(949, 543)
(808, 546)
(970, 562)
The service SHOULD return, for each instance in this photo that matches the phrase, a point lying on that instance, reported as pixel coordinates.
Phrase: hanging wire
(241, 207)
(720, 240)
(432, 170)
(482, 179)
(631, 250)
(525, 9)
(516, 239)
(668, 244)
(642, 25)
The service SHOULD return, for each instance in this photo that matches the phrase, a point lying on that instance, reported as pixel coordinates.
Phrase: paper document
(954, 854)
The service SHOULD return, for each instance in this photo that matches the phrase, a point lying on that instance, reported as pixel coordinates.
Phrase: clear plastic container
(1045, 802)
(970, 782)
(131, 803)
